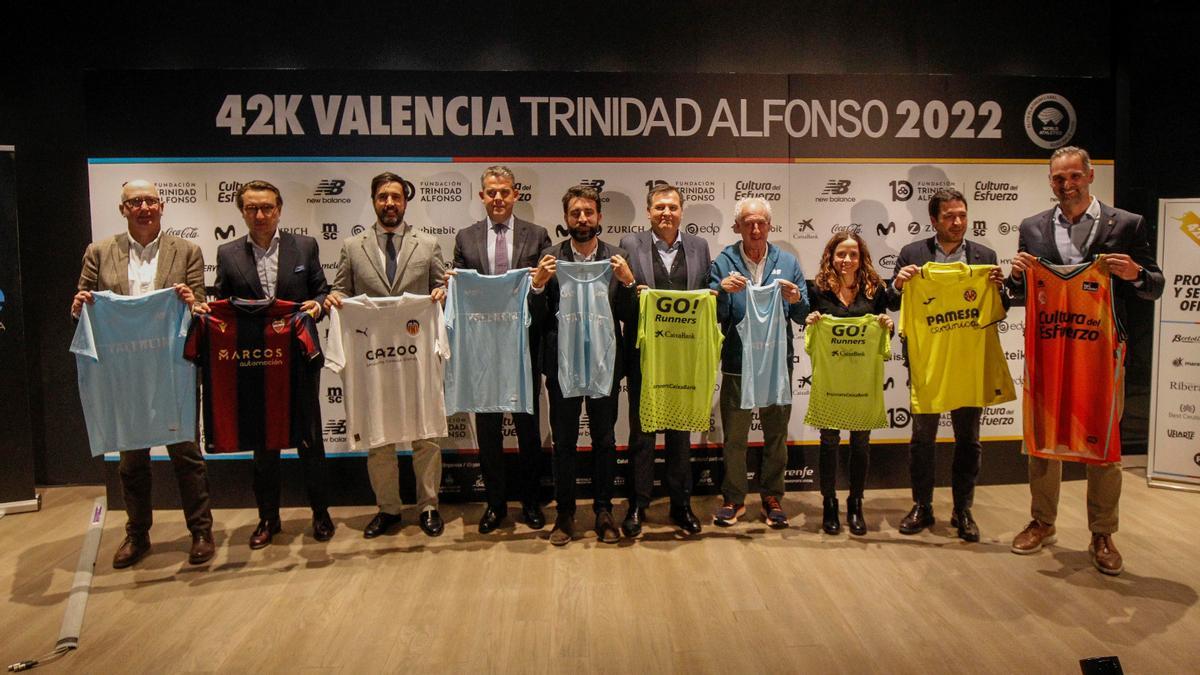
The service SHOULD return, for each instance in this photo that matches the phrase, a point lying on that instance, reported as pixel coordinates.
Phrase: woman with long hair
(846, 285)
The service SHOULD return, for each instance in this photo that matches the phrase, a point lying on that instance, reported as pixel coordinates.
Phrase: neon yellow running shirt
(680, 343)
(847, 359)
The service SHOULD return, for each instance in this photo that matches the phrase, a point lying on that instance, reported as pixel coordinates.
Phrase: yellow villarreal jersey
(948, 319)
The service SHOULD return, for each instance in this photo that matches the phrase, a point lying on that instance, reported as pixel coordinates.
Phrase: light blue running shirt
(763, 331)
(587, 338)
(487, 320)
(136, 388)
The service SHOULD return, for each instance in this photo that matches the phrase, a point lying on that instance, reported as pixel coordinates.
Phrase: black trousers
(641, 454)
(564, 420)
(967, 451)
(857, 462)
(190, 472)
(489, 434)
(267, 475)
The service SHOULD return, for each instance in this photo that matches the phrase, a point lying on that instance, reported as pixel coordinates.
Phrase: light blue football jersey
(587, 337)
(763, 331)
(487, 320)
(137, 390)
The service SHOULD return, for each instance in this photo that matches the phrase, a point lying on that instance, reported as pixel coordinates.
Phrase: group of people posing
(393, 257)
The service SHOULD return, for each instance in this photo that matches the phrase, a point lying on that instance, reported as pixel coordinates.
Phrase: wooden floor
(740, 600)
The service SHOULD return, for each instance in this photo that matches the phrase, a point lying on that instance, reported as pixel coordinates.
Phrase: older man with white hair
(738, 269)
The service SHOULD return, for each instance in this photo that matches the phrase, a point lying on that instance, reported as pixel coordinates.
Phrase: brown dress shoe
(564, 529)
(131, 550)
(202, 548)
(1105, 555)
(264, 532)
(1035, 535)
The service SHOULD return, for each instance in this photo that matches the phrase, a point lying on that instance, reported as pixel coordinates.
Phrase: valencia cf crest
(279, 326)
(413, 326)
(969, 295)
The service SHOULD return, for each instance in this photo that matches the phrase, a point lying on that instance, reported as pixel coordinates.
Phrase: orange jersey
(1074, 364)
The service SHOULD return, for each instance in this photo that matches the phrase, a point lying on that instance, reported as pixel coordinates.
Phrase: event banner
(16, 441)
(1175, 405)
(858, 153)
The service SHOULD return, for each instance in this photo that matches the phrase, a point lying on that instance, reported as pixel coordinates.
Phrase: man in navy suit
(948, 213)
(494, 245)
(263, 264)
(1077, 230)
(661, 257)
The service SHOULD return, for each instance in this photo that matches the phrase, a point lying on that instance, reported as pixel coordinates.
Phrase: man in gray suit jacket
(133, 263)
(494, 245)
(392, 258)
(661, 257)
(1076, 230)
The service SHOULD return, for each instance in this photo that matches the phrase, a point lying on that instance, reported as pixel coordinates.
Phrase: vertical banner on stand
(16, 442)
(1175, 409)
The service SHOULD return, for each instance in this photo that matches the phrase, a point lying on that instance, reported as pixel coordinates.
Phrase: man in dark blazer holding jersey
(1074, 231)
(948, 214)
(499, 243)
(263, 264)
(661, 257)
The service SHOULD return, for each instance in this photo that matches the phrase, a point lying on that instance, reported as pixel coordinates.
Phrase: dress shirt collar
(271, 246)
(149, 250)
(507, 225)
(661, 244)
(1093, 212)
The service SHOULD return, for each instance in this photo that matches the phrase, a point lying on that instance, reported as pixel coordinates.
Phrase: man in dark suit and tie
(499, 243)
(1074, 231)
(661, 257)
(140, 261)
(263, 264)
(948, 213)
(581, 212)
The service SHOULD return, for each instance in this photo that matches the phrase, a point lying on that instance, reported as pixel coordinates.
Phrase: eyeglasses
(266, 209)
(148, 202)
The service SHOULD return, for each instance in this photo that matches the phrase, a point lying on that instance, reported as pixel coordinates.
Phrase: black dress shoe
(490, 521)
(830, 522)
(919, 518)
(632, 525)
(967, 529)
(323, 527)
(263, 534)
(431, 523)
(382, 523)
(685, 519)
(854, 516)
(532, 513)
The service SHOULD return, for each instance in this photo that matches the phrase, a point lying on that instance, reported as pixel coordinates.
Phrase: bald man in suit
(135, 262)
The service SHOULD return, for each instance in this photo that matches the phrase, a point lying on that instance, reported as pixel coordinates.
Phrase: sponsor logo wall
(1175, 408)
(831, 153)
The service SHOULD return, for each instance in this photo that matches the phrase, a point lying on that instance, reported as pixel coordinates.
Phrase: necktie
(1080, 232)
(500, 265)
(389, 252)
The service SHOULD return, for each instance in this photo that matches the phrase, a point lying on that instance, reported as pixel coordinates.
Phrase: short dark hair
(944, 195)
(581, 192)
(383, 179)
(662, 188)
(257, 185)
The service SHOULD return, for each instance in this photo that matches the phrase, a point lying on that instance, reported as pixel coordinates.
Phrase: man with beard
(581, 213)
(661, 257)
(499, 243)
(389, 259)
(1079, 228)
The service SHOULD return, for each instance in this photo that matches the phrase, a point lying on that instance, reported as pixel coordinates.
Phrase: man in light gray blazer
(661, 257)
(392, 258)
(136, 262)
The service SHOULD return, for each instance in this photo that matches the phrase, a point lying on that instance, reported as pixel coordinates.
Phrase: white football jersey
(391, 354)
